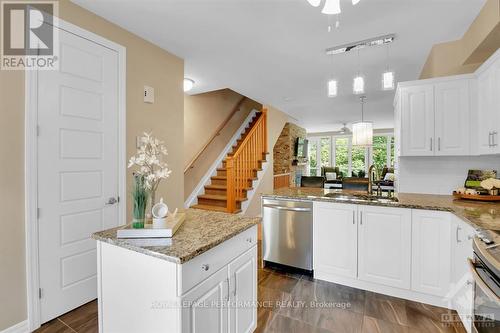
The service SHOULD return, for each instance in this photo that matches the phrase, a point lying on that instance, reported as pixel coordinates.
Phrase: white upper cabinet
(335, 239)
(450, 116)
(452, 129)
(431, 264)
(384, 239)
(435, 117)
(417, 116)
(488, 109)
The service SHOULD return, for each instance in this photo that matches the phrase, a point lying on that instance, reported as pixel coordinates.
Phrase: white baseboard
(21, 327)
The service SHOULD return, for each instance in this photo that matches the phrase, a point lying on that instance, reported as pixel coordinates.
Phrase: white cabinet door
(452, 111)
(462, 292)
(202, 310)
(384, 245)
(243, 293)
(335, 239)
(484, 112)
(488, 129)
(431, 252)
(417, 116)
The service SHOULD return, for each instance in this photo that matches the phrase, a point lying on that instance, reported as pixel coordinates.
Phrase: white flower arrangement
(149, 162)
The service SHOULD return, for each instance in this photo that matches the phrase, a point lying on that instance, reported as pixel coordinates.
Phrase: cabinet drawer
(201, 267)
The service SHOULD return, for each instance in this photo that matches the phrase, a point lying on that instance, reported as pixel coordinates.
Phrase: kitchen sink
(362, 198)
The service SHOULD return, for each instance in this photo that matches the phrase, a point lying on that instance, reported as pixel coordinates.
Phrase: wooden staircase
(235, 177)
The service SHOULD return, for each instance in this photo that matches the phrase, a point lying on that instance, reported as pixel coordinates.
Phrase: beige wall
(276, 120)
(465, 55)
(203, 114)
(146, 65)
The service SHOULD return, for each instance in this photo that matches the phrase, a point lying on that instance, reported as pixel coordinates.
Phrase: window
(342, 156)
(326, 148)
(358, 166)
(379, 152)
(352, 161)
(313, 163)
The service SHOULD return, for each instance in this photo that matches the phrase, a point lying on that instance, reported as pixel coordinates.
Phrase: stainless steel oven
(486, 316)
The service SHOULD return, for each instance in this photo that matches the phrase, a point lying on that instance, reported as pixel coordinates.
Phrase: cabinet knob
(250, 240)
(205, 267)
(469, 282)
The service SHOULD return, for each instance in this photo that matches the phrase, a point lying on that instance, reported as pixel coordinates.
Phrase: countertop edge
(380, 204)
(176, 260)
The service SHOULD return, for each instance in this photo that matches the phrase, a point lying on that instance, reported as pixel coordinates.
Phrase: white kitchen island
(204, 279)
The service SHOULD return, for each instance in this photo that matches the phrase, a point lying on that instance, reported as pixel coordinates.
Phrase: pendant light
(362, 132)
(331, 7)
(388, 75)
(358, 84)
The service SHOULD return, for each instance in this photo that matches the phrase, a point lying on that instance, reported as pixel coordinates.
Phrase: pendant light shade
(314, 3)
(358, 85)
(332, 88)
(388, 80)
(362, 131)
(331, 7)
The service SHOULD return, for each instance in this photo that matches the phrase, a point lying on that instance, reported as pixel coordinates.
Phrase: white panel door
(384, 245)
(77, 169)
(452, 113)
(335, 239)
(431, 252)
(243, 293)
(203, 311)
(417, 115)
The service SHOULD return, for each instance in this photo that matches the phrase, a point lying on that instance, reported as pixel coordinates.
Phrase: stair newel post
(231, 202)
(264, 119)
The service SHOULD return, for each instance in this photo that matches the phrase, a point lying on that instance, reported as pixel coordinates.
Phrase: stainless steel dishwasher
(287, 233)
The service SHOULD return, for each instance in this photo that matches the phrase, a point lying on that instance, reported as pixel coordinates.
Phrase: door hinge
(38, 213)
(40, 292)
(37, 130)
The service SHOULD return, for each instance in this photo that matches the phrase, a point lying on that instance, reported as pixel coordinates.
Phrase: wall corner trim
(21, 327)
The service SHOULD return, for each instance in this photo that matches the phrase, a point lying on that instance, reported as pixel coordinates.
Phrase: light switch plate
(149, 95)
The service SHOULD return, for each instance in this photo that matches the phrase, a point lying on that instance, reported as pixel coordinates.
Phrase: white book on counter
(172, 224)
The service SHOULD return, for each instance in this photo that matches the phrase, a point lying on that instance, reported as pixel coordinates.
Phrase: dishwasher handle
(292, 209)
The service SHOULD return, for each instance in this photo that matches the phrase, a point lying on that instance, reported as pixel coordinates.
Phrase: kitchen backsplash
(439, 175)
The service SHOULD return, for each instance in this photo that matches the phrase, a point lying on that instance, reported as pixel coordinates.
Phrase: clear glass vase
(138, 223)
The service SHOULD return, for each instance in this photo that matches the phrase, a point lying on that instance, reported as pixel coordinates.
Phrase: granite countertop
(481, 215)
(201, 231)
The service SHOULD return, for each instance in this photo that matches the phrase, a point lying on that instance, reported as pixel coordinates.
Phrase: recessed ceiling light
(188, 84)
(355, 2)
(381, 40)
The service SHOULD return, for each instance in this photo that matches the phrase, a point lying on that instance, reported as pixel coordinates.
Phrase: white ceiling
(273, 50)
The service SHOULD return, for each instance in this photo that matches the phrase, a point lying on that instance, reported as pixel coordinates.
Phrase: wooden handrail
(241, 166)
(216, 134)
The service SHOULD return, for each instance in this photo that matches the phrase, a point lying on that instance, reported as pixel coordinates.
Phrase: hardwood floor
(291, 303)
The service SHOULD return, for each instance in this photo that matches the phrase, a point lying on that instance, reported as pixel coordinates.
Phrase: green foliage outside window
(341, 155)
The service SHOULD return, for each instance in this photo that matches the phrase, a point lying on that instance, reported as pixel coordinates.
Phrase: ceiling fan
(344, 129)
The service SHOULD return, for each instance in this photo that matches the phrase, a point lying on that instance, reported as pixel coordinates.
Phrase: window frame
(332, 158)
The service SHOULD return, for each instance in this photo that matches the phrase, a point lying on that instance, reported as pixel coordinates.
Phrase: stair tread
(222, 187)
(214, 208)
(218, 197)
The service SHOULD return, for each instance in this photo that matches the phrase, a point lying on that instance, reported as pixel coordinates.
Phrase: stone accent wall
(283, 152)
